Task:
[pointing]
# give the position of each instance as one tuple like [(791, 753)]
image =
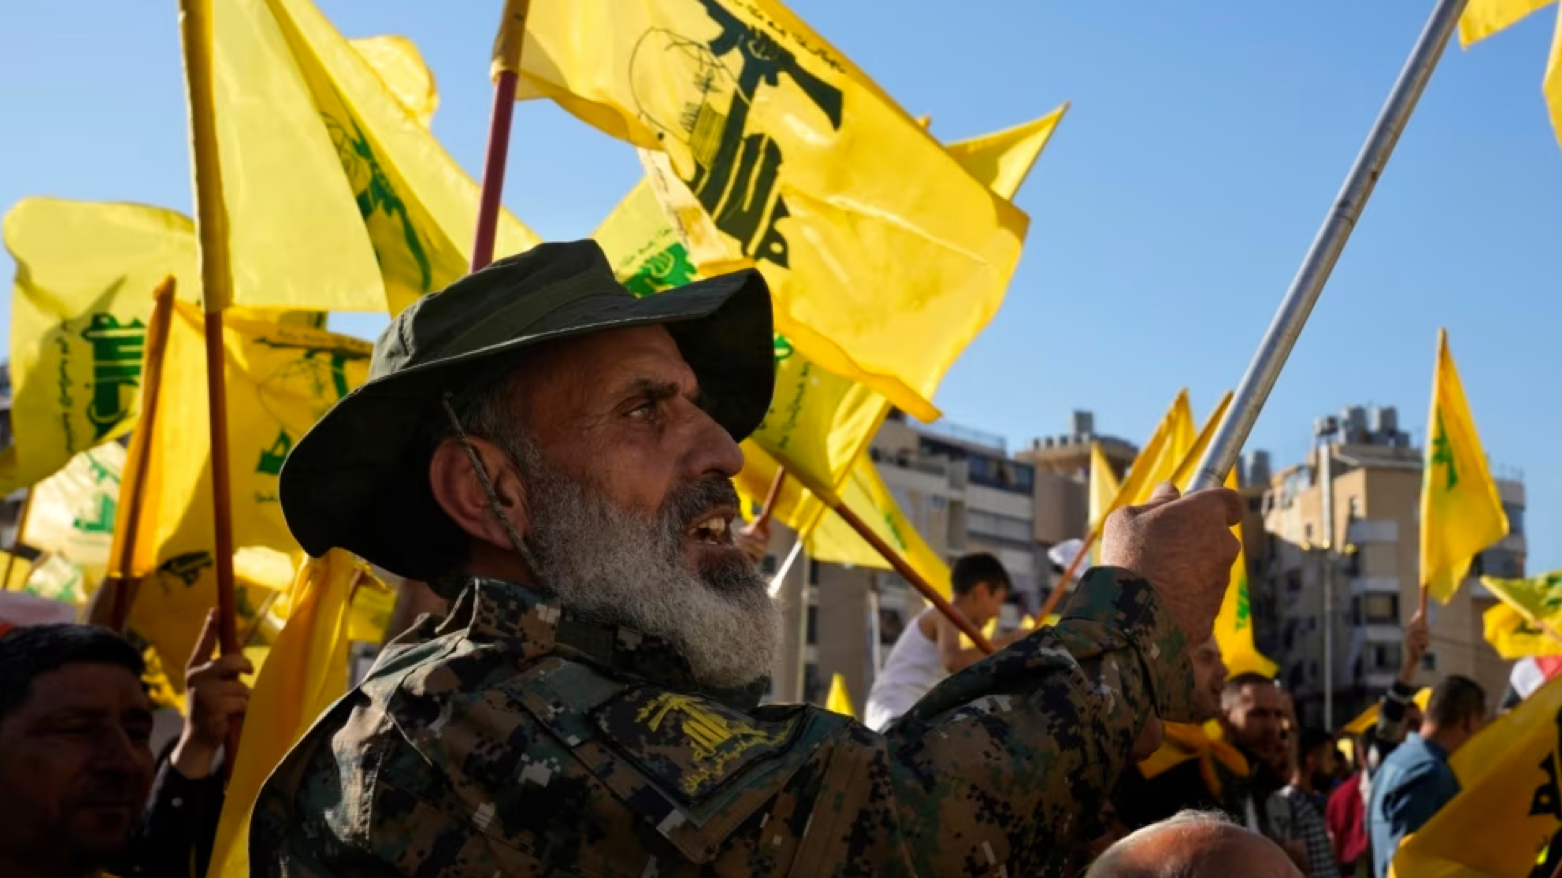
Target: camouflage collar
[(531, 621)]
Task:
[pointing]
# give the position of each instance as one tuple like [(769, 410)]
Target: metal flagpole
[(1326, 248)]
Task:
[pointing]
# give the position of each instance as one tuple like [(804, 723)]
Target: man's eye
[(643, 411)]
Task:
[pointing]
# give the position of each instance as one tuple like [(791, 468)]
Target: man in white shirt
[(930, 650)]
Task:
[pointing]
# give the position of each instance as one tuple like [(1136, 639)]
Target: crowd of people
[(553, 457)]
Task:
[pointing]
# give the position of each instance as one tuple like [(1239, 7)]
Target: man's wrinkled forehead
[(583, 376)]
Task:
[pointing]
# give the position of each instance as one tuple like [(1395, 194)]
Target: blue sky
[(1205, 143)]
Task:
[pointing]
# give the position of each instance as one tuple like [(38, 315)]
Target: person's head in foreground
[(1194, 844), (981, 585), (1455, 713), (75, 762), (569, 439), (1253, 716)]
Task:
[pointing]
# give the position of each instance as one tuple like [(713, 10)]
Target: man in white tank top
[(929, 649)]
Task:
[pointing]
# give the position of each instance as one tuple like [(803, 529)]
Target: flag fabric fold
[(1534, 624)]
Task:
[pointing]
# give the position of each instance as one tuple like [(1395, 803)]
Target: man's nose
[(712, 450)]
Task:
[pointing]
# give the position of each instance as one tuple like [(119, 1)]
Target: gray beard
[(617, 568)]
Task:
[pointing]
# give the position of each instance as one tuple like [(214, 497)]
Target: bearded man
[(555, 455)]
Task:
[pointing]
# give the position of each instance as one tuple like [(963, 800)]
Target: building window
[(813, 625), (1355, 506), (1312, 670), (1293, 582), (1385, 656), (1307, 533), (813, 572), (768, 566), (1515, 515), (1429, 661), (1381, 609)]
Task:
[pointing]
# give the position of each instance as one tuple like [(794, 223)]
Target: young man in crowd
[(1416, 781), (930, 650), (1312, 770), (1253, 719)]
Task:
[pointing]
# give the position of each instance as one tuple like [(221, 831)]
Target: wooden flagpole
[(512, 32), (16, 539), (910, 574), (121, 577), (211, 223)]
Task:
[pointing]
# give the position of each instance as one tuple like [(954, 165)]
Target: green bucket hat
[(358, 480)]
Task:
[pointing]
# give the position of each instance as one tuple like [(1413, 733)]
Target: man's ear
[(460, 493)]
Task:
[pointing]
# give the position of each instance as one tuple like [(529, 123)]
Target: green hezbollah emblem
[(1244, 608), (1443, 454), (784, 349), (664, 270), (319, 375), (116, 368)]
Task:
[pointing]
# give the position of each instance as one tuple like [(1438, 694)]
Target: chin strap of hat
[(488, 485)]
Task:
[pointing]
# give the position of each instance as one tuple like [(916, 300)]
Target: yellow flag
[(1104, 484), (1482, 18), (1509, 805), (1234, 623), (838, 701), (71, 513), (78, 322), (832, 540), (1158, 459), (327, 163), (1515, 637), (304, 674), (280, 381), (1461, 513), (18, 567), (1533, 625), (802, 163)]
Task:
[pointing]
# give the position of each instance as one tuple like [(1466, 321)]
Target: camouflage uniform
[(513, 740)]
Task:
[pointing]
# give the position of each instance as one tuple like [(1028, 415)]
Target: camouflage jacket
[(511, 739)]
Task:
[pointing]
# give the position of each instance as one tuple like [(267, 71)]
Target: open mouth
[(713, 528)]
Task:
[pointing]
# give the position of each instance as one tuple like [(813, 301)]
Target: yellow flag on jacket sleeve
[(304, 674), (280, 381), (1532, 624), (865, 494), (1509, 805), (801, 162), (838, 700), (328, 162), (1461, 512)]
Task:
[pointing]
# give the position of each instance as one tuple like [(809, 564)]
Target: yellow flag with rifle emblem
[(280, 381), (801, 162), (78, 322), (1509, 805), (326, 162), (819, 423), (1461, 512), (1533, 623)]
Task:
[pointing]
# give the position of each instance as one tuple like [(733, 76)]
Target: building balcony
[(1382, 632)]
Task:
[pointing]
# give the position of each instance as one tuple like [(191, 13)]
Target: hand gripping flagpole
[(1326, 248)]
